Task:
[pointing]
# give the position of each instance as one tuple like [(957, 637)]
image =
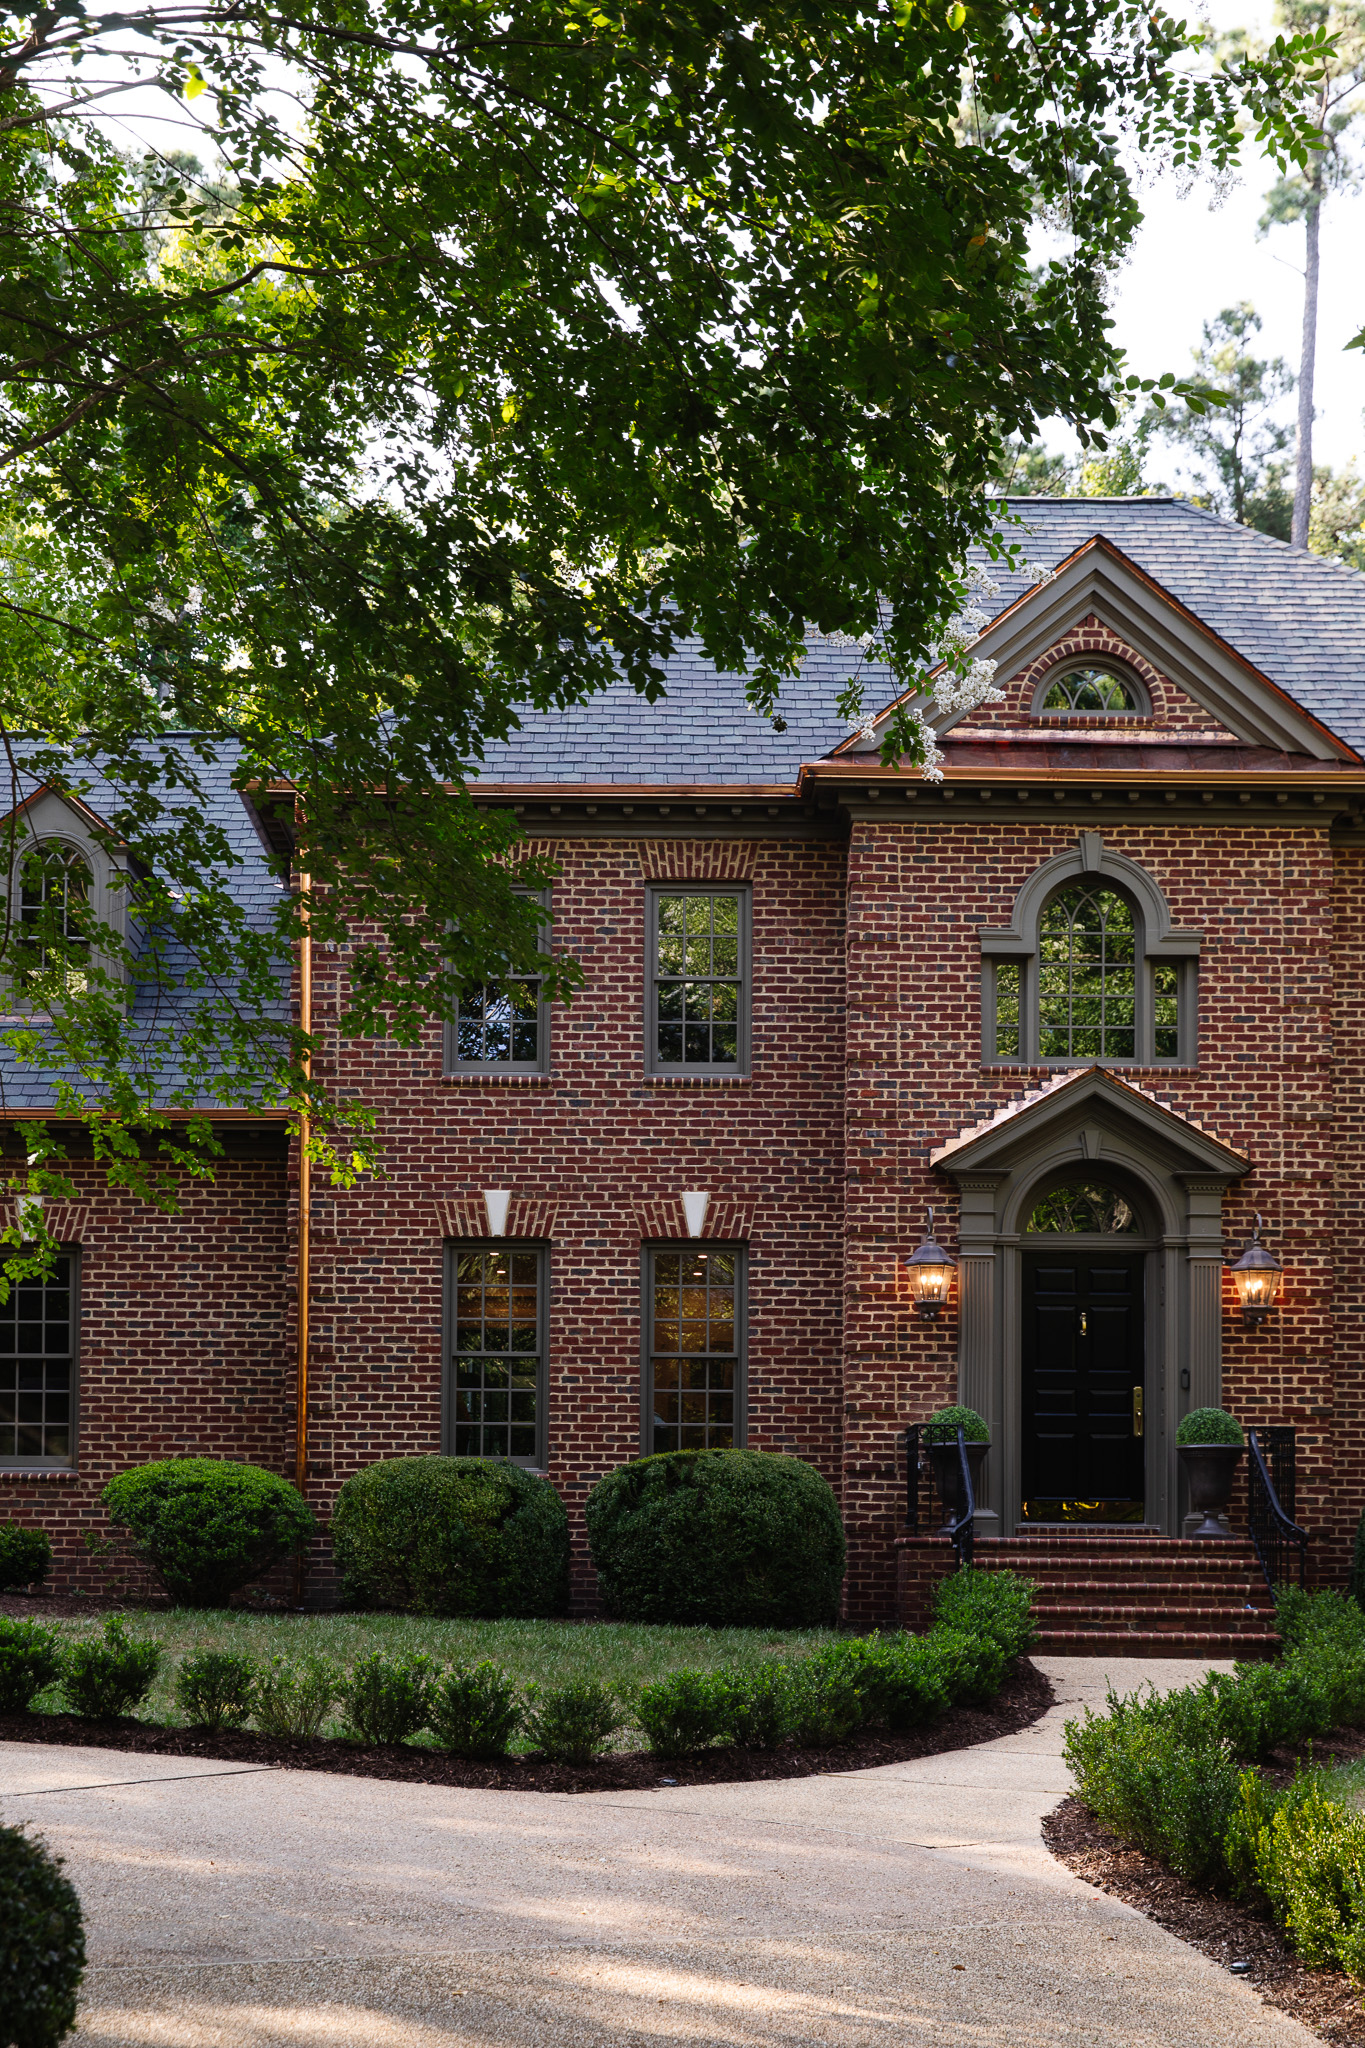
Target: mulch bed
[(67, 1606), (1025, 1696), (1322, 2000)]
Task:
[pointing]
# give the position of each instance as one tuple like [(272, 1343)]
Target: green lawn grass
[(549, 1653)]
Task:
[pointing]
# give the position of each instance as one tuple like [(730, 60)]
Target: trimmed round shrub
[(987, 1603), (105, 1677), (1209, 1426), (571, 1724), (206, 1526), (452, 1536), (945, 1422), (42, 1944), (25, 1555), (474, 1710), (385, 1698), (216, 1689), (734, 1539), (30, 1659)]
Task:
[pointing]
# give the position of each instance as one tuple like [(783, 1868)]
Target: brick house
[(1096, 998)]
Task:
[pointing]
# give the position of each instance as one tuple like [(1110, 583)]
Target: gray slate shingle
[(1298, 617)]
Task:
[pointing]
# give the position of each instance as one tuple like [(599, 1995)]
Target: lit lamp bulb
[(931, 1276), (1257, 1276)]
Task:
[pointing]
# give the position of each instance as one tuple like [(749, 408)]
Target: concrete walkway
[(237, 1908)]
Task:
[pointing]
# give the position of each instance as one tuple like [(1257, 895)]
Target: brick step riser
[(1234, 1593), (1145, 1546), (1188, 1614), (1134, 1567), (1216, 1618), (1218, 1554), (1160, 1589), (1077, 1643)]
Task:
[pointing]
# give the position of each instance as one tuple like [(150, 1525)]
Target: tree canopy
[(495, 351)]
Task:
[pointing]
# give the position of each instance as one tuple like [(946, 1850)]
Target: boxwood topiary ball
[(207, 1526), (1209, 1426), (25, 1555), (945, 1423), (452, 1536), (42, 1944), (734, 1539)]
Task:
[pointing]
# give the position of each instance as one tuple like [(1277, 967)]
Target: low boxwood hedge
[(733, 1539)]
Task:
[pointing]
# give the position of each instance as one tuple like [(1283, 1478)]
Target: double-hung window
[(501, 1026), (698, 997), (694, 1366), (38, 1369), (495, 1405)]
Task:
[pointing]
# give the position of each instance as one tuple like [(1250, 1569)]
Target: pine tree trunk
[(1303, 453)]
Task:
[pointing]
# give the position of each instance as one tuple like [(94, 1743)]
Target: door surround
[(1175, 1173)]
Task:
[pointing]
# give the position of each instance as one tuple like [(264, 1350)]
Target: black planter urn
[(1209, 1472), (947, 1471)]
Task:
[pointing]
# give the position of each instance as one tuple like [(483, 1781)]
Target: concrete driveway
[(287, 1909)]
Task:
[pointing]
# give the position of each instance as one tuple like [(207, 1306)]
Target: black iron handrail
[(963, 1529), (917, 1438), (1274, 1533), (914, 1472)]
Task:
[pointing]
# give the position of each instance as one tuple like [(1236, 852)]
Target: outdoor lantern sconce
[(1257, 1276), (931, 1275)]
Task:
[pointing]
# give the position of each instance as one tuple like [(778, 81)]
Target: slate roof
[(1298, 617), (159, 1016), (703, 731)]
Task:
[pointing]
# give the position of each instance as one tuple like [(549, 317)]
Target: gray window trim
[(1159, 943), (744, 891), (541, 1064), (453, 1247), (67, 1464), (692, 1244)]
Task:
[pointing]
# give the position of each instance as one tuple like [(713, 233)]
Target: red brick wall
[(184, 1349), (917, 894), (188, 1321), (1347, 1139), (596, 1155)]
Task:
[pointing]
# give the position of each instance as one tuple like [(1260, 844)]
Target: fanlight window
[(1087, 976), (1090, 689), (54, 904), (1083, 1206)]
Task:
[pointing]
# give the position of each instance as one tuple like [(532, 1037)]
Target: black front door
[(1083, 1368)]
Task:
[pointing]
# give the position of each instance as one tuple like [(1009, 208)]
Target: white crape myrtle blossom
[(954, 683)]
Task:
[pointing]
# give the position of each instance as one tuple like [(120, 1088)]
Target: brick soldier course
[(1226, 801)]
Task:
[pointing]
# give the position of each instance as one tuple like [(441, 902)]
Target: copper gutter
[(304, 1285)]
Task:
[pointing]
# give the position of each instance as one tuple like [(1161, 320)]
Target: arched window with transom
[(54, 909), (1090, 972)]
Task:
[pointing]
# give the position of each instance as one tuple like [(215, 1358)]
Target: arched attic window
[(1090, 691), (1091, 971), (55, 891)]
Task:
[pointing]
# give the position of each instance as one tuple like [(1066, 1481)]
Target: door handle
[(1137, 1411), (1083, 1324)]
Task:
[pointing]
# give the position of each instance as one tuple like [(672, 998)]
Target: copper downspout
[(305, 1223)]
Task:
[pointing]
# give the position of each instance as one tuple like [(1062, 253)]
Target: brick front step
[(1151, 1615), (1078, 1642), (1107, 1594)]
